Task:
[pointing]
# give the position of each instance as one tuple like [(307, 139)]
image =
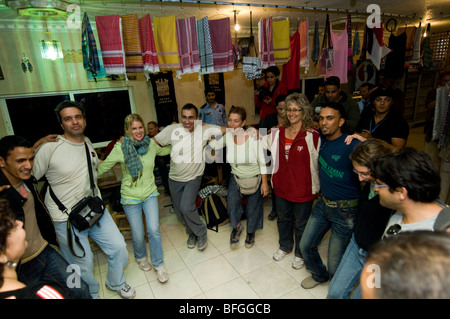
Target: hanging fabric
[(395, 61), (304, 45), (266, 52), (165, 32), (410, 37), (316, 48), (188, 46), (326, 53), (148, 48), (350, 48), (363, 55), (416, 47), (356, 45), (291, 70), (376, 49), (340, 54), (132, 44), (205, 47), (222, 47), (91, 62), (109, 31), (281, 41)]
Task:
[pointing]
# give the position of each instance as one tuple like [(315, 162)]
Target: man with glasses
[(338, 204), (408, 182), (187, 164)]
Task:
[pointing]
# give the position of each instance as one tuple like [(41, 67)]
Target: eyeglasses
[(294, 111), (362, 174), (374, 184), (393, 230)]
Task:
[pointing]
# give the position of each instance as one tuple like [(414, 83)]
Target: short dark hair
[(367, 84), (382, 91), (273, 69), (190, 106), (412, 265), (333, 80), (152, 123), (10, 142), (336, 106), (68, 103), (280, 98), (411, 169)]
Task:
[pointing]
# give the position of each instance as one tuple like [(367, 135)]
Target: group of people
[(362, 186)]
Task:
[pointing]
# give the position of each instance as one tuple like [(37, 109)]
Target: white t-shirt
[(397, 218), (64, 164), (187, 160), (246, 159)]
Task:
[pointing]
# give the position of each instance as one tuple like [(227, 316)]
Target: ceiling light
[(236, 24)]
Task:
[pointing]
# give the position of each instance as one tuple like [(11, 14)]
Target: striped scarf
[(131, 150), (89, 47)]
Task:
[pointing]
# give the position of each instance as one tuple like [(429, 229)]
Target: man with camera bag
[(70, 168)]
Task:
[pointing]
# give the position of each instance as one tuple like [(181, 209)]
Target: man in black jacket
[(40, 262)]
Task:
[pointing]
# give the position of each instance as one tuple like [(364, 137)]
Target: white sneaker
[(144, 264), (127, 292), (298, 263), (163, 276), (279, 254)]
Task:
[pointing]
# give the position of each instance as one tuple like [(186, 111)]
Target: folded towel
[(222, 47), (91, 61), (281, 45), (109, 31), (132, 43), (148, 48), (266, 52), (188, 46), (166, 42), (205, 47)]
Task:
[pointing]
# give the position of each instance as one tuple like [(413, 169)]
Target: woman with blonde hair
[(295, 175), (136, 155)]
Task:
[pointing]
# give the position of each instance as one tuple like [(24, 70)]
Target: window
[(32, 116)]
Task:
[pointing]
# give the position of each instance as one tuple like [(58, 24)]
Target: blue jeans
[(348, 273), (49, 265), (254, 207), (341, 222), (109, 239), (292, 218), (134, 216)]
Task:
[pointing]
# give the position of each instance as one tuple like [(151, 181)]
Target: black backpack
[(214, 209)]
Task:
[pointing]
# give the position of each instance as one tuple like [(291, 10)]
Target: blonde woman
[(295, 151), (136, 155)]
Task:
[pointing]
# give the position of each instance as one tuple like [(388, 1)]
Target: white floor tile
[(213, 273), (181, 285)]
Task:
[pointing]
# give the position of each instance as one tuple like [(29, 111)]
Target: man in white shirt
[(64, 164), (187, 164)]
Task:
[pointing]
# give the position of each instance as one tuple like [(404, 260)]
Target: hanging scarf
[(131, 150), (316, 47), (89, 48)]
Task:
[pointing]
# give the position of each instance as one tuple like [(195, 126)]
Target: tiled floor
[(219, 272)]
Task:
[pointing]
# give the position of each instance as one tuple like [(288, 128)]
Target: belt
[(350, 203)]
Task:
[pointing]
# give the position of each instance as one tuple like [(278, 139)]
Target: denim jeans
[(134, 216), (348, 273), (51, 266), (109, 239), (184, 196), (254, 207), (291, 222), (341, 222)]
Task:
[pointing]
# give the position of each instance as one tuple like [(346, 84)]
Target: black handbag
[(84, 214)]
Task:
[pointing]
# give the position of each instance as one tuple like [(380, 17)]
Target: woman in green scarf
[(136, 155)]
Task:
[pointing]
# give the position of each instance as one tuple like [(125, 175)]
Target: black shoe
[(272, 215)]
